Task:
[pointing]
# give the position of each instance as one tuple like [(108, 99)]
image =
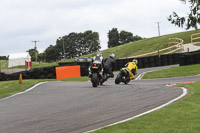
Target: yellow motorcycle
[(122, 76)]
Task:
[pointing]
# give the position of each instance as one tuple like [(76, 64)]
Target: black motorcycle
[(95, 74), (123, 76), (104, 77)]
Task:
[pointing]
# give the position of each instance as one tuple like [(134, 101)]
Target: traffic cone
[(20, 79)]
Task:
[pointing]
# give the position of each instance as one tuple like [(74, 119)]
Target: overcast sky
[(24, 21)]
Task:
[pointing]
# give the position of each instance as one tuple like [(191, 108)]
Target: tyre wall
[(144, 62), (189, 58)]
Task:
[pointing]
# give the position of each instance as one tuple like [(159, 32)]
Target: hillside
[(3, 64), (130, 49), (146, 45)]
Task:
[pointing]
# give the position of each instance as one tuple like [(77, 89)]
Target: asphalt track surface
[(75, 107)]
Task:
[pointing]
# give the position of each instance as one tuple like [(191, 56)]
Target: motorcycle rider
[(98, 59), (109, 65), (131, 67)]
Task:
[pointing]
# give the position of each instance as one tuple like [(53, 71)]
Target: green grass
[(8, 88), (180, 117), (198, 44), (189, 70), (37, 65), (146, 45), (3, 64), (133, 48)]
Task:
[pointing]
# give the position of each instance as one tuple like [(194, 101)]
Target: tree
[(41, 57), (3, 58), (136, 38), (52, 53), (78, 44), (91, 42), (191, 20), (32, 54), (113, 38), (125, 37)]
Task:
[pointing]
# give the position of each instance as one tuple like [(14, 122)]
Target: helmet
[(99, 53), (112, 55), (134, 60)]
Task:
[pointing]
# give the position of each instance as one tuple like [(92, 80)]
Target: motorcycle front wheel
[(127, 80), (118, 79)]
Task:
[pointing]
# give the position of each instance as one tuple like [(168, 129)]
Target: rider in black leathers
[(109, 65)]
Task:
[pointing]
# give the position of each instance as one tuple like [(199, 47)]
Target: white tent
[(18, 59)]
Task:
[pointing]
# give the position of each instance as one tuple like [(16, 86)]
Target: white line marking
[(22, 91), (157, 108), (138, 77)]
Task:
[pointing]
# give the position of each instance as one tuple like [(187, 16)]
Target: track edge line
[(147, 112)]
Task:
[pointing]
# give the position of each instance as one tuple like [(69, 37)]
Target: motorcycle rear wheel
[(94, 79)]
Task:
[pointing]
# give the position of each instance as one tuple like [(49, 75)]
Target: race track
[(77, 107)]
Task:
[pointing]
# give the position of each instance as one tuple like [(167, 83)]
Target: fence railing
[(194, 37), (174, 44)]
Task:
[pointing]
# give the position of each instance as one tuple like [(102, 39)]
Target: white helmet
[(112, 56), (134, 60), (99, 53)]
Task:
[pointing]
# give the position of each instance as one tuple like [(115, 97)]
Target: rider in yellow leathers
[(131, 67)]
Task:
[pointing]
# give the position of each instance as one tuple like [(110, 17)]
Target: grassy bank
[(147, 45), (8, 88), (3, 64), (189, 70), (133, 48), (180, 117)]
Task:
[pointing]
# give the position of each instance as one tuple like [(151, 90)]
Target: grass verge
[(3, 64), (180, 117), (189, 70), (8, 88), (197, 44)]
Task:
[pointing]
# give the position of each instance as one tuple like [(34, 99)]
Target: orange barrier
[(68, 72)]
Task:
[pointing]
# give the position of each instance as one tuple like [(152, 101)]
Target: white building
[(18, 59)]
